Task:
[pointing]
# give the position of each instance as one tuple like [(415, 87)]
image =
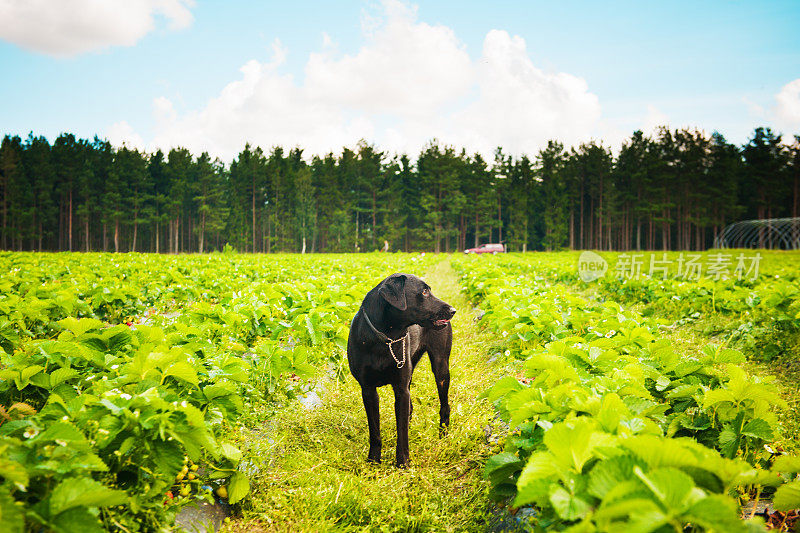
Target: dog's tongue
[(442, 321)]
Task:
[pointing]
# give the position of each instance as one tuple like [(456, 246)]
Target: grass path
[(315, 476)]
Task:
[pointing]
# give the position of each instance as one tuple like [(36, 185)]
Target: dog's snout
[(452, 311)]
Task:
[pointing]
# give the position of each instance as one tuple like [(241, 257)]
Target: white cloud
[(122, 133), (409, 82), (70, 27), (405, 67), (519, 106), (163, 111), (754, 109), (653, 119), (787, 105)]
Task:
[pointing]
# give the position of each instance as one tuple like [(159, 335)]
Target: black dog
[(399, 320)]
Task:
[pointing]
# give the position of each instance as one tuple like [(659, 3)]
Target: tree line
[(673, 190)]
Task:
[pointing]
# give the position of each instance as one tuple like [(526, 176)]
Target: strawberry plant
[(124, 378), (609, 427)]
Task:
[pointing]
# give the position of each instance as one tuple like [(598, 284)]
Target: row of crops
[(610, 427), (124, 379), (760, 316), (747, 299)]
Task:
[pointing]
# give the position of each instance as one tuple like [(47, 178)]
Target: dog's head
[(411, 297)]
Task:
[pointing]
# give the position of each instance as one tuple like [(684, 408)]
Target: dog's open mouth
[(441, 322)]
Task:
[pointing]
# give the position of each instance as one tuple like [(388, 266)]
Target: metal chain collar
[(405, 339), (400, 364)]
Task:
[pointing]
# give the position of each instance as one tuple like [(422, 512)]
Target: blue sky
[(479, 74)]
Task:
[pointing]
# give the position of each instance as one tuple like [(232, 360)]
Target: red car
[(486, 249)]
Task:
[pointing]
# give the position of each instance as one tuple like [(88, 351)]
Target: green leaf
[(584, 526), (503, 491), (787, 497), (149, 334), (86, 492), (755, 476), (787, 463), (87, 461), (29, 371), (25, 375), (231, 452), (13, 472), (11, 514), (167, 456), (729, 355), (639, 405), (609, 473), (568, 506), (660, 452), (312, 330), (61, 375), (126, 445), (683, 391), (77, 520), (117, 338), (715, 513), (722, 355), (643, 515), (182, 370), (502, 465), (40, 379), (706, 479), (611, 411), (729, 442), (571, 443), (504, 386), (219, 389), (670, 486), (535, 478), (714, 397), (758, 428), (79, 326), (238, 487), (63, 431), (687, 367), (194, 415)]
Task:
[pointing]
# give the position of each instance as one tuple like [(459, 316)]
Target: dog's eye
[(426, 292)]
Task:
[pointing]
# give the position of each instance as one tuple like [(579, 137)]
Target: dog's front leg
[(371, 406), (402, 408), (441, 372)]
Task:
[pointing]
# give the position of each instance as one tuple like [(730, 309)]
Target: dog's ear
[(393, 291)]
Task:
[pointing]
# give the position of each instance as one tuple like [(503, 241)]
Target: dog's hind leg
[(371, 406), (402, 407), (440, 363)]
